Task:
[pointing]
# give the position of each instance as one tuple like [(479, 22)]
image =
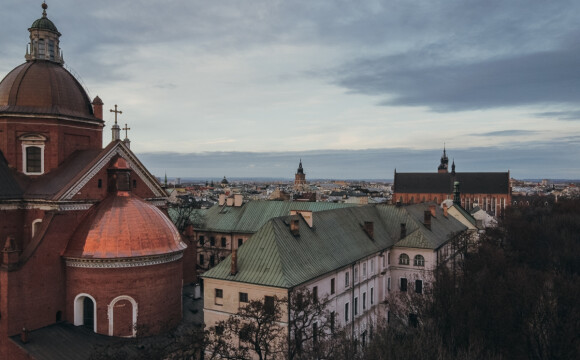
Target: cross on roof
[(116, 112), (126, 129)]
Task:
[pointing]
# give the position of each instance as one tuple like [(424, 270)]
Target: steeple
[(453, 167), (443, 167), (44, 40), (300, 169)]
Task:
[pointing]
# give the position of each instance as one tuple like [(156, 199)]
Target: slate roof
[(470, 182), (275, 257), (248, 218)]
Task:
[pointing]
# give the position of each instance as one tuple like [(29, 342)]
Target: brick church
[(84, 236), (490, 191)]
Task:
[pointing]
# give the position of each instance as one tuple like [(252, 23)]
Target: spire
[(453, 167), (300, 169), (443, 167), (126, 140)]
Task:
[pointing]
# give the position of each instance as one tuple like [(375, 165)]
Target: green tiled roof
[(273, 256), (251, 216)]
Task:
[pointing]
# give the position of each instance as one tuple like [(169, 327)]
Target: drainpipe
[(352, 303)]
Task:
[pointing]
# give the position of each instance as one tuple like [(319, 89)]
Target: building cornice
[(116, 263)]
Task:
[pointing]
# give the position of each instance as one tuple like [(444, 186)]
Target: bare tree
[(255, 331)]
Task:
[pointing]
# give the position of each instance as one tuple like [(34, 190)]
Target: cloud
[(560, 115), (506, 133), (545, 77)]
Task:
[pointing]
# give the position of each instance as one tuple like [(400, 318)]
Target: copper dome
[(44, 88), (124, 226)]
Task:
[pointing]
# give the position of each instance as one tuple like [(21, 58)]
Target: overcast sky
[(497, 81)]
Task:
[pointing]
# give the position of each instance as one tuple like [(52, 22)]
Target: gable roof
[(470, 182), (67, 180), (273, 256), (251, 216)]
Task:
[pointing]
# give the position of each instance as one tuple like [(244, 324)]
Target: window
[(346, 279), (403, 284), (224, 242), (389, 258), (332, 286), (240, 242), (41, 50), (134, 184), (51, 49), (419, 260), (212, 260), (388, 316), (243, 297), (404, 259), (219, 293), (384, 261), (201, 259), (346, 312), (212, 241), (36, 226), (33, 159), (364, 270), (364, 301), (315, 333), (389, 283), (201, 240), (413, 320), (355, 306), (315, 294), (269, 305), (355, 275), (372, 267), (100, 183), (372, 296), (419, 286), (332, 316)]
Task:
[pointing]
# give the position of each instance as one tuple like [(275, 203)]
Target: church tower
[(444, 166), (300, 177)]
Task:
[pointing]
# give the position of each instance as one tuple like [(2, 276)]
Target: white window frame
[(32, 140)]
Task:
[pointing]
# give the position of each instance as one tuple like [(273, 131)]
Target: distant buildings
[(490, 191)]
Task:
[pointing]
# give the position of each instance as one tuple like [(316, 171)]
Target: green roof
[(251, 216), (44, 24), (273, 256)]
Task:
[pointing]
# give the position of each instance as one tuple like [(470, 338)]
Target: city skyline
[(497, 82)]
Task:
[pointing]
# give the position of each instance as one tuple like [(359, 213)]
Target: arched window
[(404, 259), (121, 309), (419, 260)]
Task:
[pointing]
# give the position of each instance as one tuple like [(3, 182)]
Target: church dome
[(44, 24), (124, 226), (44, 88)]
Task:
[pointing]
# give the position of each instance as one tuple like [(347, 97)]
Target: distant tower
[(453, 167), (444, 162), (300, 177)]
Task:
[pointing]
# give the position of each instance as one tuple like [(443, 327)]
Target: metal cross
[(116, 112), (126, 128)]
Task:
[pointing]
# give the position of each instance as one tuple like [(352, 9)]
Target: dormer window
[(33, 154)]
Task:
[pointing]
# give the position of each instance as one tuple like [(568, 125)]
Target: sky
[(356, 89)]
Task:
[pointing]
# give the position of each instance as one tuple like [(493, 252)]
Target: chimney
[(427, 219), (230, 201), (295, 227), (403, 230), (445, 210), (238, 200), (369, 229), (98, 107), (306, 215), (222, 199), (432, 209), (234, 267)]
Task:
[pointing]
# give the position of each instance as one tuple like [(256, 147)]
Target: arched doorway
[(85, 310), (88, 313)]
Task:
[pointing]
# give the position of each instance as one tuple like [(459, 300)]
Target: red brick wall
[(157, 289)]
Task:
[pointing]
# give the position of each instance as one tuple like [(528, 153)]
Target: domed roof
[(124, 226), (44, 88), (44, 23)]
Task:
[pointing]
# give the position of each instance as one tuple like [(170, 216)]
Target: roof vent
[(295, 227), (403, 230), (427, 219)]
